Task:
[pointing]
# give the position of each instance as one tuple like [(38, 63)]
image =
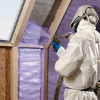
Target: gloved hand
[(56, 46)]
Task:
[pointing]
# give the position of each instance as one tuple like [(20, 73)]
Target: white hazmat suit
[(80, 63)]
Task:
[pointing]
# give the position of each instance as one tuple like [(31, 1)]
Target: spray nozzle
[(55, 38)]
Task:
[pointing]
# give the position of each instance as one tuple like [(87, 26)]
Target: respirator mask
[(93, 17)]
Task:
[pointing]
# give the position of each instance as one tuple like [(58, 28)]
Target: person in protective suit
[(79, 64)]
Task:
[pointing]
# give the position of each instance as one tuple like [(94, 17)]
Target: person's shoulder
[(78, 38), (98, 34)]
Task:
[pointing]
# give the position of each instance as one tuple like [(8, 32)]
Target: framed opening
[(9, 15), (13, 18)]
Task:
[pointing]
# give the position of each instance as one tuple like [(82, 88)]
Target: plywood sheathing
[(8, 73), (5, 73)]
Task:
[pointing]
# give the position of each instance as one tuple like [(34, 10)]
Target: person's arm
[(58, 48), (68, 63), (61, 52)]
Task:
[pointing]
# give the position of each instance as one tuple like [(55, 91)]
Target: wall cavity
[(30, 74)]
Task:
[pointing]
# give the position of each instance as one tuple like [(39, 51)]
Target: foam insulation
[(64, 28), (34, 34), (31, 74)]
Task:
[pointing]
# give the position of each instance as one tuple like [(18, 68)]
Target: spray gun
[(55, 38)]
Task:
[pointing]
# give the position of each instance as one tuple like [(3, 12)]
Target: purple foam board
[(64, 28), (30, 74)]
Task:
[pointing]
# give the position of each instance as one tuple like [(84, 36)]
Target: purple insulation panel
[(64, 28), (31, 74)]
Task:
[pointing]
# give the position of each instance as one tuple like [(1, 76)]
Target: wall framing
[(14, 73), (22, 22), (53, 28), (12, 62), (26, 11), (9, 57)]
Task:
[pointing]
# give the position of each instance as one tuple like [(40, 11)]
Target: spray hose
[(91, 28), (64, 36)]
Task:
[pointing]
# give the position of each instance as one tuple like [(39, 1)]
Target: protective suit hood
[(82, 13)]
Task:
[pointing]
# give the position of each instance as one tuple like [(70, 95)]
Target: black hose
[(58, 87)]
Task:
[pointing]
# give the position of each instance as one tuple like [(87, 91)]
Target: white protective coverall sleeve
[(61, 52), (69, 59)]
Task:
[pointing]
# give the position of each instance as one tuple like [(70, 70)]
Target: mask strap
[(93, 36), (91, 29)]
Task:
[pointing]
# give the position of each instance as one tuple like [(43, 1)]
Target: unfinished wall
[(31, 63), (64, 28), (43, 17)]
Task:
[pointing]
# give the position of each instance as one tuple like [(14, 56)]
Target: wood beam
[(22, 22), (53, 28), (14, 73), (58, 18), (45, 73), (6, 44)]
